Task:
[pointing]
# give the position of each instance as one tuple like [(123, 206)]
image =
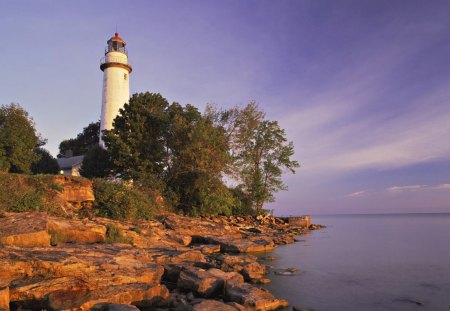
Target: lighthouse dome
[(116, 38), (116, 44)]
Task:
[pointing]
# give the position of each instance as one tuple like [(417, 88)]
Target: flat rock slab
[(76, 231), (139, 294), (96, 265), (252, 297), (24, 230), (209, 305), (240, 245)]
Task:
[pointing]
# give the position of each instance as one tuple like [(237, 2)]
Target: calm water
[(369, 262)]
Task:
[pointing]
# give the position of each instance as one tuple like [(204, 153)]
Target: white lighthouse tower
[(116, 82)]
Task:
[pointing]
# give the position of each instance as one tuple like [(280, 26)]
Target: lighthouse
[(116, 81)]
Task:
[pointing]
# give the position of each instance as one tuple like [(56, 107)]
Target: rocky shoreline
[(170, 262)]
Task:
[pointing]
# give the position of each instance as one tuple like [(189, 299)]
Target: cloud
[(413, 188), (407, 188), (357, 194), (442, 187), (343, 129)]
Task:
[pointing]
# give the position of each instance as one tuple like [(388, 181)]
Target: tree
[(137, 142), (80, 145), (96, 163), (259, 150), (172, 147), (18, 139), (46, 164)]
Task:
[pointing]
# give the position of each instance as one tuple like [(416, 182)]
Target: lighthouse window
[(125, 76)]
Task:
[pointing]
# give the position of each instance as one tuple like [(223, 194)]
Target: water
[(369, 262)]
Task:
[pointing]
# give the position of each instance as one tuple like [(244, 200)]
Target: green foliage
[(82, 143), (46, 164), (18, 139), (114, 235), (169, 147), (96, 163), (118, 200), (260, 152), (21, 193), (30, 201)]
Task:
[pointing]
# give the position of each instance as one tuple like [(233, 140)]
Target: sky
[(361, 87)]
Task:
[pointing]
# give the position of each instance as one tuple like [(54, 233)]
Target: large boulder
[(24, 230), (75, 190), (200, 282), (252, 297), (75, 231)]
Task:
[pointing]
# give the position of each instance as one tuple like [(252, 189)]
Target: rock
[(139, 294), (226, 276), (316, 227), (4, 298), (200, 282), (24, 230), (209, 305), (178, 256), (180, 238), (264, 281), (75, 231), (94, 265), (196, 227), (210, 249), (237, 306), (240, 245), (75, 190), (252, 297), (253, 271), (113, 307), (37, 289), (286, 272)]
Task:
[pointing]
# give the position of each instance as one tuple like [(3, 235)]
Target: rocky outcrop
[(75, 231), (140, 295), (171, 262), (24, 230), (75, 191)]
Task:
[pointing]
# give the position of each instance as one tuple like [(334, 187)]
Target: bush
[(114, 235), (118, 200), (31, 201), (23, 193)]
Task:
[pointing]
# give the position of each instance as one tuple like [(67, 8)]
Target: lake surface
[(368, 262)]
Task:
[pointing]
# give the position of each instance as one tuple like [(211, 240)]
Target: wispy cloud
[(357, 194), (413, 188), (343, 129), (407, 188)]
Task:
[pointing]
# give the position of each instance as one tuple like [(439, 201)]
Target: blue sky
[(361, 87)]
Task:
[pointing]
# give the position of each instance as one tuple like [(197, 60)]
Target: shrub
[(117, 200), (114, 235), (31, 201)]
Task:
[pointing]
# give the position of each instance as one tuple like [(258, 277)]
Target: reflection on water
[(369, 262)]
